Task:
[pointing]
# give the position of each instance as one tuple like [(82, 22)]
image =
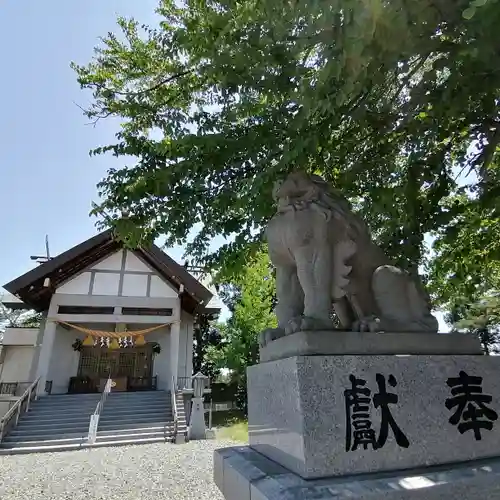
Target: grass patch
[(231, 425), (235, 432)]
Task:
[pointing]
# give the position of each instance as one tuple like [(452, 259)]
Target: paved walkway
[(155, 471)]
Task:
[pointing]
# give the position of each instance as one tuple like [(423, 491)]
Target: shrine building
[(107, 311), (112, 360)]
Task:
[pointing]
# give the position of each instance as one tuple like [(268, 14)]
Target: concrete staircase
[(56, 423)]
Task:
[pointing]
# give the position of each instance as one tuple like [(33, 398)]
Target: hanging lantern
[(139, 340), (114, 344), (89, 341)]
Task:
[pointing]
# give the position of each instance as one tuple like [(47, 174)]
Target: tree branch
[(98, 117), (144, 91), (409, 76), (486, 156)]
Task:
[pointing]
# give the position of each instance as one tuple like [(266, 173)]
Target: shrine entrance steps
[(57, 423)]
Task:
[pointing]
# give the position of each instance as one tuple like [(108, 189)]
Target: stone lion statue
[(326, 261)]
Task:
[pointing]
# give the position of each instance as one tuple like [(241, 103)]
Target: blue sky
[(48, 180)]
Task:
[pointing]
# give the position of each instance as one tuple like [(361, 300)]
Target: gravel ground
[(154, 471)]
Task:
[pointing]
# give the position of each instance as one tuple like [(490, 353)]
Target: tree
[(31, 319), (466, 261), (249, 297), (18, 318), (464, 272), (206, 336), (8, 317), (480, 318), (224, 97)]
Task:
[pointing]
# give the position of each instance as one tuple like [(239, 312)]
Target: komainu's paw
[(294, 325), (368, 324), (269, 335), (316, 324), (304, 323)]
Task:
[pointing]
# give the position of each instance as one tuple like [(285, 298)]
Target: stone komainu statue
[(324, 256)]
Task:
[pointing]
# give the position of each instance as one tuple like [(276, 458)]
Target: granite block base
[(323, 416), (244, 474), (336, 342)]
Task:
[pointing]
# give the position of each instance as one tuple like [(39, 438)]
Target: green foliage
[(464, 273), (386, 100), (18, 318), (224, 97), (249, 297), (9, 317), (30, 320), (232, 425), (481, 318), (206, 335), (466, 263), (237, 431)]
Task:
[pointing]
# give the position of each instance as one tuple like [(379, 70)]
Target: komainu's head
[(300, 187)]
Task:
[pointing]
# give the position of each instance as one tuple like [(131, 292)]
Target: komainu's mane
[(332, 200)]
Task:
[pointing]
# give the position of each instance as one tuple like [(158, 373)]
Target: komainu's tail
[(390, 289), (400, 301), (342, 252)]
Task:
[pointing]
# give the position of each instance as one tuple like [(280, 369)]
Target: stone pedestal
[(335, 415), (333, 419), (243, 474), (197, 428), (326, 343)]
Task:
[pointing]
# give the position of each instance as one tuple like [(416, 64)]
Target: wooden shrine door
[(133, 363)]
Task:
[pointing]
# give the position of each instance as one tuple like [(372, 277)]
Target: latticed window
[(107, 364), (99, 362), (88, 363), (126, 364)]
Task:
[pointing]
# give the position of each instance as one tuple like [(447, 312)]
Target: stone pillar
[(38, 346), (197, 428), (189, 350), (174, 351), (181, 363), (49, 335)]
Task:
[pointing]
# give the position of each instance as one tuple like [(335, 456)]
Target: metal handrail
[(174, 405), (17, 408), (94, 418)]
